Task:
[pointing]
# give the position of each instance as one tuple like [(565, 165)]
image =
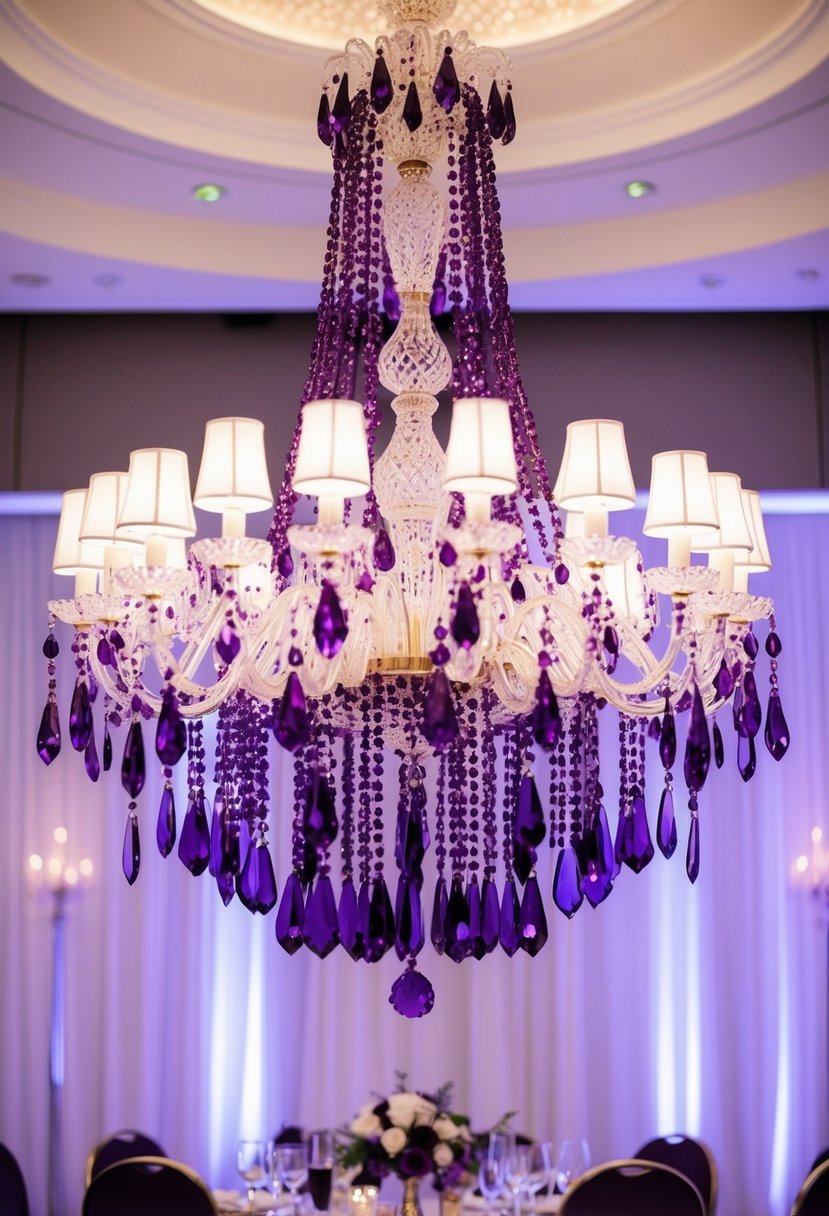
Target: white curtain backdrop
[(670, 1008)]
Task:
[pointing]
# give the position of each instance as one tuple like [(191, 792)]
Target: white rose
[(410, 1110), (393, 1140), (366, 1124), (463, 1133), (442, 1155), (445, 1129)]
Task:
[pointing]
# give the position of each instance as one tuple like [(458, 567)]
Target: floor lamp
[(59, 879)]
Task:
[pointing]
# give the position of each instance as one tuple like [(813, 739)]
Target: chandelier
[(436, 610)]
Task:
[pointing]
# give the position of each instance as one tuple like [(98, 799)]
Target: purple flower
[(414, 1162), (424, 1137)]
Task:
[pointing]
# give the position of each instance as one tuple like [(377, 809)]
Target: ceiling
[(111, 111)]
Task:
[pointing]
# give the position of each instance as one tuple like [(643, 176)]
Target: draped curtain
[(670, 1008)]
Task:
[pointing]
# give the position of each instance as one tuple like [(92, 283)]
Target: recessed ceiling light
[(639, 189), (809, 275), (711, 280), (107, 280), (208, 192), (29, 280)]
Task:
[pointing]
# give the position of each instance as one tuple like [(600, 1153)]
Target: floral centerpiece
[(411, 1135)]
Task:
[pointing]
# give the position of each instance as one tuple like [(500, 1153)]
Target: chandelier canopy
[(409, 617)]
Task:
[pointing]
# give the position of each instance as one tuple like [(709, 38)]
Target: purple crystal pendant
[(567, 892), (697, 747), (320, 930), (330, 628), (48, 735), (131, 852), (194, 842), (228, 643), (171, 732), (692, 854), (529, 830), (291, 916), (80, 716), (776, 734), (666, 836), (466, 627), (533, 920), (545, 718), (412, 995), (437, 928), (509, 932), (348, 920), (133, 769), (90, 759), (383, 553), (292, 727), (440, 723), (381, 89), (165, 831)]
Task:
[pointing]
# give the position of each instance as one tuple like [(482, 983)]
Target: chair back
[(143, 1185), (118, 1147), (633, 1188), (813, 1199), (13, 1198), (691, 1157)]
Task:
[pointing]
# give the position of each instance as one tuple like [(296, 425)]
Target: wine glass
[(250, 1162), (292, 1167), (573, 1160), (321, 1158), (516, 1169), (540, 1167), (491, 1164), (275, 1185)]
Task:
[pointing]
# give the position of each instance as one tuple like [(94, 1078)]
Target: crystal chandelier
[(413, 622)]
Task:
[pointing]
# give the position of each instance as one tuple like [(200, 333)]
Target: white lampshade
[(157, 501), (71, 556), (480, 456), (759, 559), (681, 499), (333, 454), (104, 500), (733, 532), (595, 470), (234, 472)]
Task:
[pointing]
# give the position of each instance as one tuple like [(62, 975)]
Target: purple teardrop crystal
[(528, 829), (291, 915), (348, 921), (654, 728), (437, 931), (473, 901), (330, 628), (51, 649), (490, 915), (774, 646), (456, 924), (381, 90), (446, 88), (746, 756), (341, 109), (216, 835), (284, 563), (641, 852), (226, 887), (319, 820), (131, 852), (412, 113), (597, 860), (567, 893), (510, 126), (667, 740), (440, 723), (266, 890), (533, 920), (320, 931), (90, 759), (228, 643), (697, 746), (523, 860), (107, 750), (517, 591), (447, 554), (383, 553), (752, 710), (104, 652), (561, 574), (466, 627), (412, 995), (194, 842), (48, 734), (133, 770), (724, 681), (80, 716), (380, 935), (496, 119), (719, 750), (692, 854), (545, 719), (751, 645), (509, 927), (776, 734), (324, 130), (165, 829), (171, 732), (247, 880), (666, 835), (410, 934), (292, 728)]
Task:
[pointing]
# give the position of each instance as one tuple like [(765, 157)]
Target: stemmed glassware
[(516, 1171), (292, 1167), (540, 1173), (491, 1167), (251, 1165), (573, 1160), (321, 1160)]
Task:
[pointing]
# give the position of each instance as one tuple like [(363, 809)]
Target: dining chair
[(148, 1186), (633, 1188), (819, 1159), (813, 1197), (118, 1147), (13, 1198), (691, 1157)]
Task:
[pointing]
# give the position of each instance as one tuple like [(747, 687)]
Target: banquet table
[(231, 1203)]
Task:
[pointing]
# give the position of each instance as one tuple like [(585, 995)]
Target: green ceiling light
[(639, 189), (208, 192)]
